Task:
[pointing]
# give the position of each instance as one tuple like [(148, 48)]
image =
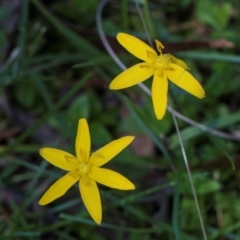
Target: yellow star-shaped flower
[(87, 170), (162, 67)]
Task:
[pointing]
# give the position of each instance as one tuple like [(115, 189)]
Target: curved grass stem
[(190, 177), (181, 146)]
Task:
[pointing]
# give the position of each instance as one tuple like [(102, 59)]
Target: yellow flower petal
[(133, 75), (177, 61), (185, 80), (110, 178), (59, 188), (59, 158), (83, 141), (136, 47), (109, 151), (159, 94), (91, 198)]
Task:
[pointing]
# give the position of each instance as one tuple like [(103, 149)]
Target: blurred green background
[(55, 70)]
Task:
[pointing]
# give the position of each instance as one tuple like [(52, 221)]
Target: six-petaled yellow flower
[(162, 67), (86, 169)]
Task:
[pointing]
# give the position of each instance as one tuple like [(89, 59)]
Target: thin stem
[(182, 149), (143, 23), (190, 177), (110, 51)]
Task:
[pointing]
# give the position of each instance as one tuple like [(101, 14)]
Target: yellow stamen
[(159, 46)]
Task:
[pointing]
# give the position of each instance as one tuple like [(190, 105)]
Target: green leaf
[(215, 14), (207, 186), (96, 107), (80, 108), (93, 62), (76, 40), (209, 56), (202, 182), (26, 93), (99, 134)]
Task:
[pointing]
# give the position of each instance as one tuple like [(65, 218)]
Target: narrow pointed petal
[(132, 76), (91, 198), (59, 158), (111, 179), (83, 141), (185, 80), (159, 94), (136, 47), (177, 61), (109, 151), (59, 188)]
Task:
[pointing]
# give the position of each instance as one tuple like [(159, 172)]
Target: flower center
[(83, 169), (161, 62)]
